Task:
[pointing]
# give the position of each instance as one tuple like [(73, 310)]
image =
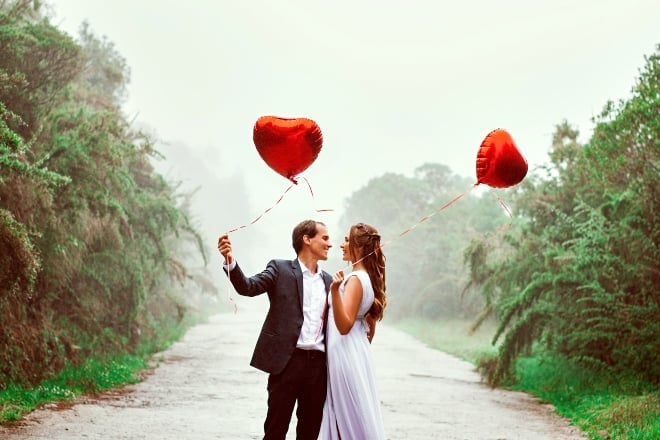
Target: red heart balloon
[(287, 145), (499, 162)]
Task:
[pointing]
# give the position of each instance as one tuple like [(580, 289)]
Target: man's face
[(320, 243)]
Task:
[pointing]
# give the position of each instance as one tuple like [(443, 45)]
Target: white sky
[(392, 84)]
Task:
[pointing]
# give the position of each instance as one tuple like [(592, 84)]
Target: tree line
[(92, 240), (576, 272)]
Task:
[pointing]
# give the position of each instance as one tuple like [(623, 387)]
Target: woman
[(352, 408)]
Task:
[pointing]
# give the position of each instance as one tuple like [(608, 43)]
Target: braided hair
[(364, 245)]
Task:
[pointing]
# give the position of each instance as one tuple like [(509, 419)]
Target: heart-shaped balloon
[(499, 162), (287, 145)]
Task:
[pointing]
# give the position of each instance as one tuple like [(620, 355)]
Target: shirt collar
[(304, 269)]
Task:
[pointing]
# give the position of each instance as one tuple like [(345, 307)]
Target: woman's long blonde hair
[(364, 245)]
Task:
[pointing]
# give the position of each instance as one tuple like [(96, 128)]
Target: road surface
[(202, 387)]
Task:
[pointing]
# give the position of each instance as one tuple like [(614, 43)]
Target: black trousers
[(303, 380)]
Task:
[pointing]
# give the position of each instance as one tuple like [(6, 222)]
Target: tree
[(579, 276), (87, 228), (425, 275)]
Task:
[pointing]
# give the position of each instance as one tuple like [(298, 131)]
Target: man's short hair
[(305, 227)]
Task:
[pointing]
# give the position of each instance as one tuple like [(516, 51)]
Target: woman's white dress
[(352, 406)]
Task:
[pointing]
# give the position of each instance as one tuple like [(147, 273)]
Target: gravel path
[(204, 388)]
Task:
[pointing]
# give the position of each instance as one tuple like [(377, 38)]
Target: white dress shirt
[(314, 301)]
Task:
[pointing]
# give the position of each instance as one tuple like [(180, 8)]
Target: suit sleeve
[(256, 284)]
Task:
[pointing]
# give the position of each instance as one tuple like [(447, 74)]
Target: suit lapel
[(297, 273), (327, 279)]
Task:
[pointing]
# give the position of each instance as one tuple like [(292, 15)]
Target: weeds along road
[(203, 388)]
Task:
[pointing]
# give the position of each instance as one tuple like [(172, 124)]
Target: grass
[(92, 377), (452, 336), (604, 406)]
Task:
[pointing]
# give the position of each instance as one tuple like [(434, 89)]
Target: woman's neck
[(359, 266)]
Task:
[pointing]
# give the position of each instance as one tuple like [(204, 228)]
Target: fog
[(392, 85)]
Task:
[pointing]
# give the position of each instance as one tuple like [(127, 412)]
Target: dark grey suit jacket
[(282, 281)]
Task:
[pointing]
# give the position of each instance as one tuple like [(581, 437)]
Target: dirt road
[(204, 388)]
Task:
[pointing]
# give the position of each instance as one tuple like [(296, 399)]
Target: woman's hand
[(337, 279), (345, 307)]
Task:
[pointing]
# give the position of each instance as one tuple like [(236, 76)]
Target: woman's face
[(345, 248)]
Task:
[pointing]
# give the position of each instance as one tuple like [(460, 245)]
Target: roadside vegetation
[(92, 377), (100, 263), (95, 374), (603, 406), (566, 289)]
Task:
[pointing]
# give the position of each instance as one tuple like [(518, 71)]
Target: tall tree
[(87, 228)]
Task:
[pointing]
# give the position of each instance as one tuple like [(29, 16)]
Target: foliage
[(92, 376), (37, 62), (88, 230), (96, 374), (453, 336), (423, 241), (578, 275), (604, 406)]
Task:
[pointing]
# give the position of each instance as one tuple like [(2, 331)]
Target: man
[(291, 345)]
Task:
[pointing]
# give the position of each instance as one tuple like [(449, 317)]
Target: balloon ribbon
[(442, 208), (277, 203), (231, 299)]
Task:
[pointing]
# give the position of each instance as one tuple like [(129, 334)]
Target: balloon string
[(263, 213), (231, 299), (276, 203), (508, 213), (419, 222), (427, 217), (504, 206), (229, 295), (312, 194)]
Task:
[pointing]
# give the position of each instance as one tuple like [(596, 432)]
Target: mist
[(393, 85)]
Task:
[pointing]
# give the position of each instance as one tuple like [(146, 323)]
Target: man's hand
[(224, 246)]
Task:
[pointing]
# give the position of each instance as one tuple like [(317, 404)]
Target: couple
[(315, 340)]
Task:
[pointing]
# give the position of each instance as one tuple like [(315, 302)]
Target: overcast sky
[(392, 84)]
